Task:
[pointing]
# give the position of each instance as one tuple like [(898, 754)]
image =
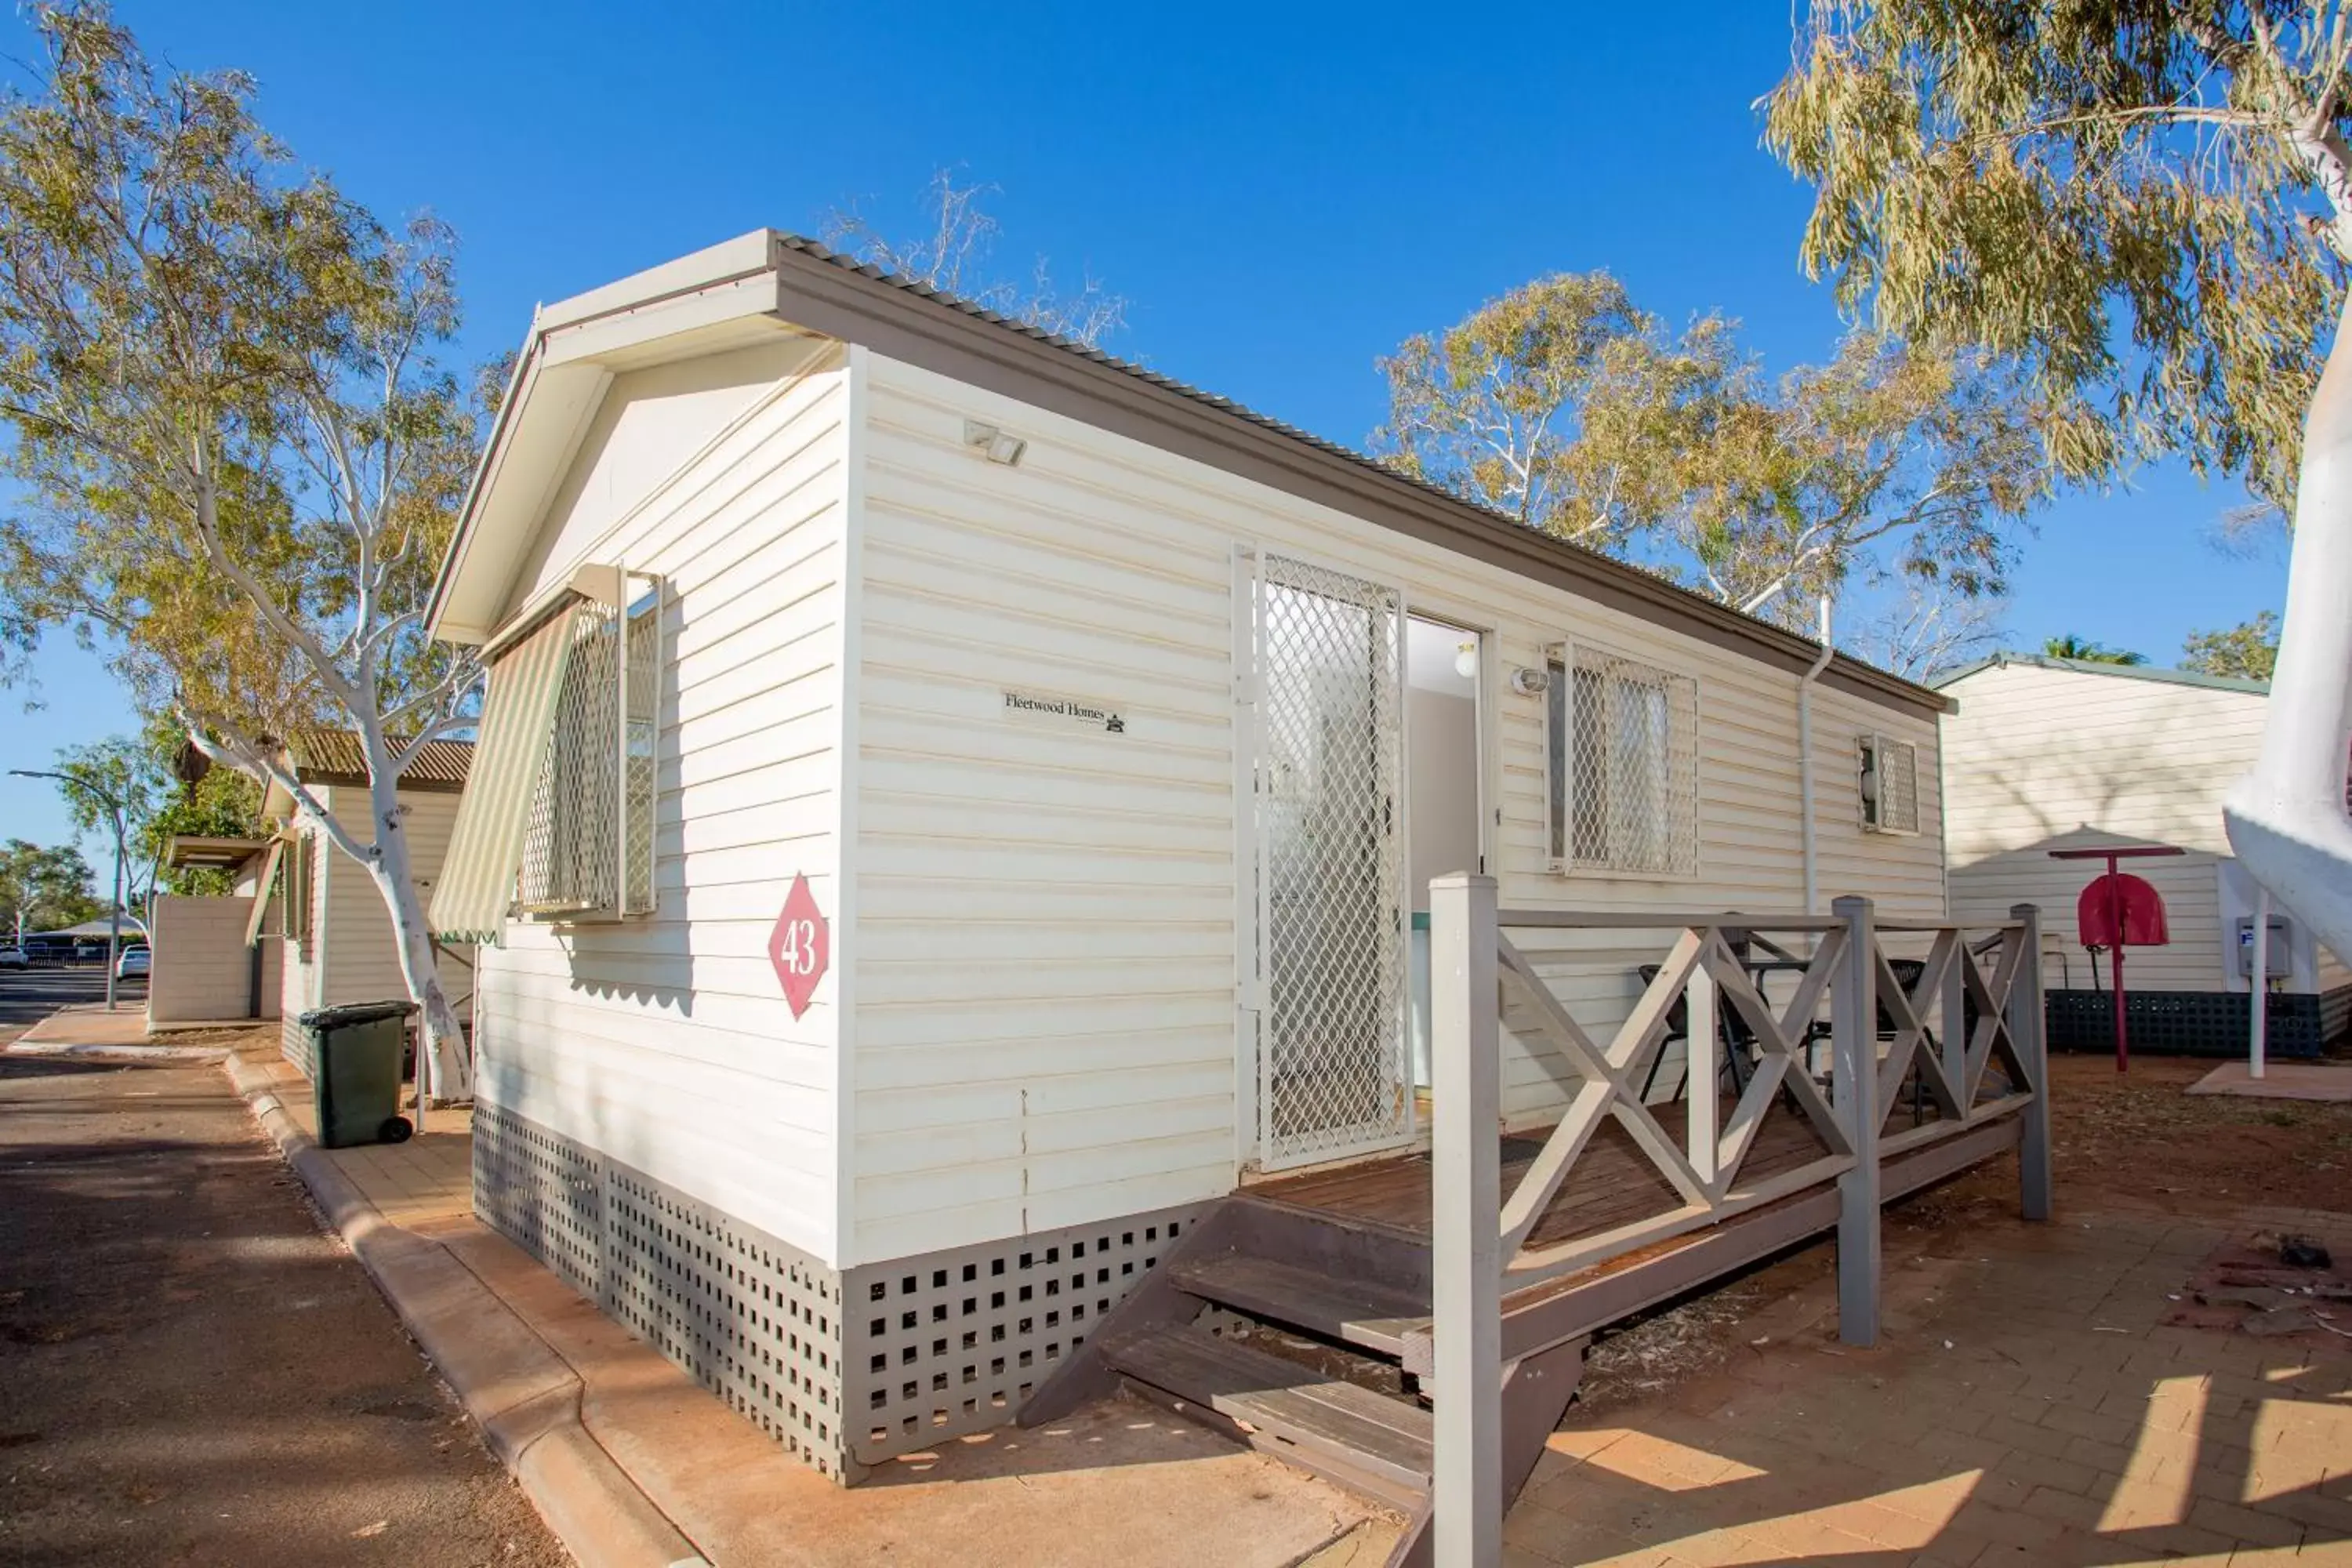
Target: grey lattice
[(1623, 745), (752, 1319), (1891, 767), (1333, 1076), (570, 864), (953, 1342)]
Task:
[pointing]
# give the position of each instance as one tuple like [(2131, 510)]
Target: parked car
[(133, 964), (12, 957)]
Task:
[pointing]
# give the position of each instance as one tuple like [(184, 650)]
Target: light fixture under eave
[(1530, 682), (1465, 658), (993, 443)]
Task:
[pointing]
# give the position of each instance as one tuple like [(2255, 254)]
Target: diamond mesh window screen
[(1890, 784), (1621, 742), (1333, 1076), (588, 842)]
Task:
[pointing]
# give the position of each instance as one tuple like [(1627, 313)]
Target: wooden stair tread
[(1357, 1311), (1293, 1404)]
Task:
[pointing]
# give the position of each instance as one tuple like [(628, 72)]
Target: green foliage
[(45, 890), (144, 775), (2083, 651), (237, 464), (2247, 651), (1565, 405), (2122, 198)]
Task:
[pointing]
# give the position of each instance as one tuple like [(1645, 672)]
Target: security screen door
[(1333, 1074)]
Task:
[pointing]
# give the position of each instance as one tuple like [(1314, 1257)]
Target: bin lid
[(349, 1013)]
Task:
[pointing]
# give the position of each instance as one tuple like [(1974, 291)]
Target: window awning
[(477, 877), (262, 891)]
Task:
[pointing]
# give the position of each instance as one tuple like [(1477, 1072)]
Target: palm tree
[(2082, 650)]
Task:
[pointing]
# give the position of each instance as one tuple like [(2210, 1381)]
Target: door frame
[(1250, 914)]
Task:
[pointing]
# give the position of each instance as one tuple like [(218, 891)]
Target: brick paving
[(2027, 1404)]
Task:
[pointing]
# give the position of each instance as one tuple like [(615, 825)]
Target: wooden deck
[(1612, 1183)]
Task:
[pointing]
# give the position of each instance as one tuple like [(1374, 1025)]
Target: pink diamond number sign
[(799, 947)]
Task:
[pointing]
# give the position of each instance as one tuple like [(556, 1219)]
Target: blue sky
[(1281, 198)]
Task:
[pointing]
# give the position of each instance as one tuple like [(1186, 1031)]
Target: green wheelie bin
[(359, 1047)]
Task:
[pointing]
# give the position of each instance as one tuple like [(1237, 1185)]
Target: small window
[(1890, 784), (1621, 750), (297, 874), (587, 850)]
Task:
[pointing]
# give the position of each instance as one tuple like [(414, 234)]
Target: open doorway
[(1443, 824)]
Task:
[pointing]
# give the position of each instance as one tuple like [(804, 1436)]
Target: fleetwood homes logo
[(1082, 713)]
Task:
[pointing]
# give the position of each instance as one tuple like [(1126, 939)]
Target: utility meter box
[(2279, 960)]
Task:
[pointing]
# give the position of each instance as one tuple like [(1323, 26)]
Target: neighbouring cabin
[(212, 956), (950, 809), (2049, 754), (328, 914)]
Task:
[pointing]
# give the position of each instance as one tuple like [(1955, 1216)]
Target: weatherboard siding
[(359, 956), (1044, 952), (2039, 759), (667, 1042)]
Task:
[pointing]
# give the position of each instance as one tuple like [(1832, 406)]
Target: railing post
[(1701, 1104), (2029, 1032), (1952, 1029), (1853, 1034), (1466, 1193)]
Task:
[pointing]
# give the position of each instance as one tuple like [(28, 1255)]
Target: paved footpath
[(2029, 1404), (190, 1371)]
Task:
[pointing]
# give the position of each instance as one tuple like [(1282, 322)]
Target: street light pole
[(113, 914)]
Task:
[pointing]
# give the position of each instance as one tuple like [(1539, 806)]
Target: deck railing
[(1958, 1017)]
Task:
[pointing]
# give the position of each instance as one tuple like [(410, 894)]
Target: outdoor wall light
[(993, 443), (1465, 658), (1530, 682)]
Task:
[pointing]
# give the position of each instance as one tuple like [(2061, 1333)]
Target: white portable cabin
[(950, 806), (323, 906), (2053, 753)]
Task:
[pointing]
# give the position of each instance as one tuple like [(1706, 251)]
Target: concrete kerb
[(524, 1396)]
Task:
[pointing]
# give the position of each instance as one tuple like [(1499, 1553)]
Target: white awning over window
[(478, 879)]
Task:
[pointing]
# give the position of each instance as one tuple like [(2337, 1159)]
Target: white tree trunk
[(2286, 818), (447, 1075)]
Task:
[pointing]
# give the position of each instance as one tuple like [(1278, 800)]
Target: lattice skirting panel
[(953, 1342), (754, 1319), (2196, 1022)]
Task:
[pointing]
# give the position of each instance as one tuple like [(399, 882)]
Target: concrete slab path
[(655, 1471), (2328, 1081)]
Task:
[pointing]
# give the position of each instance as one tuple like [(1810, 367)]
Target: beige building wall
[(665, 1042), (1045, 944), (202, 967), (2039, 758)]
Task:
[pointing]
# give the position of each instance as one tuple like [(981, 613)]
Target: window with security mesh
[(587, 850), (1890, 784), (1621, 750)]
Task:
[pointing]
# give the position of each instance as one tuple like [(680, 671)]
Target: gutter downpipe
[(1805, 757)]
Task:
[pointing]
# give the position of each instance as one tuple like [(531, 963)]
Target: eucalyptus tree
[(237, 461), (1892, 466), (1564, 405), (953, 255), (2148, 205), (2247, 651), (1557, 403)]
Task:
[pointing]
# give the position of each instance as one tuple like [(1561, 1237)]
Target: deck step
[(1355, 1312), (1352, 1432)]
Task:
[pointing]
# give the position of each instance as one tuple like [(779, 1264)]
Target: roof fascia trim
[(843, 303)]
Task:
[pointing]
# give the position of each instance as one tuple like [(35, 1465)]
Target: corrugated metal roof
[(336, 756), (2094, 667)]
